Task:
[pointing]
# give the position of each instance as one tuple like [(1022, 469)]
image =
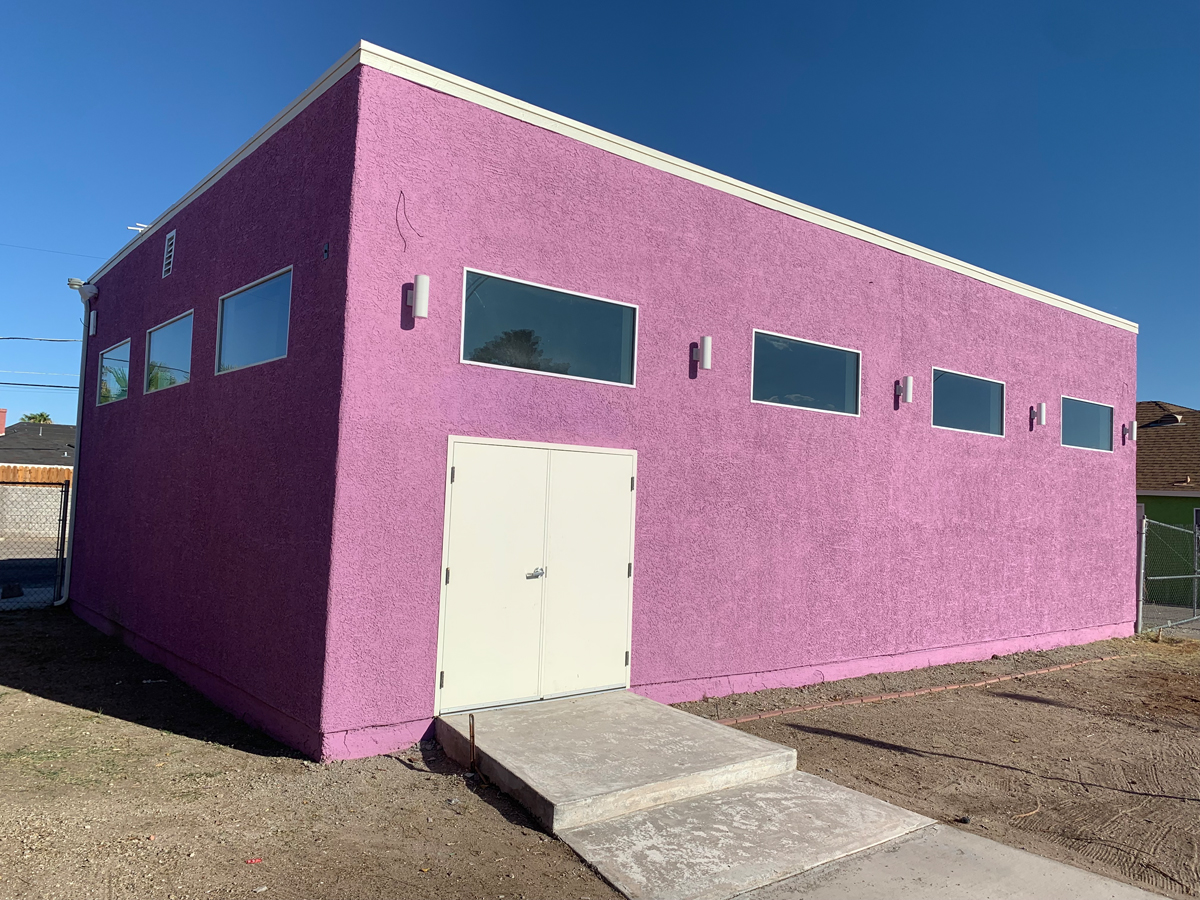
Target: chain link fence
[(1170, 589), (33, 542)]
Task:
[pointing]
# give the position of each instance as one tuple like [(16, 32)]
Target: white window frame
[(1003, 403), (1113, 426), (800, 340), (221, 322), (146, 367), (100, 371), (462, 329)]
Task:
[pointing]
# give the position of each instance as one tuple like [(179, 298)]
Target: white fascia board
[(385, 60), (1168, 493)]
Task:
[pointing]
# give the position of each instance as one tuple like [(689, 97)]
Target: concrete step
[(719, 845), (582, 760)]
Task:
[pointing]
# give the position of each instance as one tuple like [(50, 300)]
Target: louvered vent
[(169, 254)]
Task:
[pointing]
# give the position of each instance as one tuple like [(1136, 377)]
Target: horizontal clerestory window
[(114, 374), (1087, 425), (967, 403), (517, 325), (791, 372), (252, 323), (169, 354)]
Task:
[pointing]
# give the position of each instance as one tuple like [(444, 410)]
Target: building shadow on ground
[(54, 655)]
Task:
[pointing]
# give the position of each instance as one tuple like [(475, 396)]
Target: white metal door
[(491, 633), (585, 632), (539, 545)]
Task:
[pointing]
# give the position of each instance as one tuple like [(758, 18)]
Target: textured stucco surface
[(205, 510), (275, 534), (774, 545)]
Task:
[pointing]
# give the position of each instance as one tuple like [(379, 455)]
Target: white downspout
[(87, 293)]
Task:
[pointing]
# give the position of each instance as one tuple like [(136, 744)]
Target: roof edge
[(393, 63), (1184, 494)]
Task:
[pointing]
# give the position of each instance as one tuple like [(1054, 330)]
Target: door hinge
[(442, 675), (447, 574), (632, 481), (629, 574), (626, 657), (452, 474)]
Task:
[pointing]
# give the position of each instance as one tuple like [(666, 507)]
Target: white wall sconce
[(418, 297), (702, 353), (1129, 430), (92, 323), (1037, 415), (904, 389)]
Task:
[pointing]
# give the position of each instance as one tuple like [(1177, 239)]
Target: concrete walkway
[(943, 863), (670, 806)]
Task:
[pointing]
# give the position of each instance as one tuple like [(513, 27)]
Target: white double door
[(538, 573)]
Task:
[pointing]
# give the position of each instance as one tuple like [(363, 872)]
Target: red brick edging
[(854, 701)]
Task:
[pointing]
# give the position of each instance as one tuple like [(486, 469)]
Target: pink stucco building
[(338, 519)]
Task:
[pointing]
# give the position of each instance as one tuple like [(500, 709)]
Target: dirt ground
[(118, 781), (1097, 766)]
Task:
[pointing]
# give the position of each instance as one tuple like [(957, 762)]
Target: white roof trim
[(1168, 494), (419, 73)]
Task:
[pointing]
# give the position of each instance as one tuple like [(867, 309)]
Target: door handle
[(536, 573)]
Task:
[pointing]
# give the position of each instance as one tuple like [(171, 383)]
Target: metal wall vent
[(169, 254)]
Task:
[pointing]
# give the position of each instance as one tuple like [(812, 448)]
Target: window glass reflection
[(169, 355), (967, 404), (254, 324), (507, 323), (114, 374), (799, 373)]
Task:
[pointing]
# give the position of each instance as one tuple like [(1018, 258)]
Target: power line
[(50, 340), (22, 372), (59, 252), (65, 387)]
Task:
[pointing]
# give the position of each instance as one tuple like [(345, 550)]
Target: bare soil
[(118, 781), (1097, 765)]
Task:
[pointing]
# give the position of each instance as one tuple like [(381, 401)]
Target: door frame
[(534, 445)]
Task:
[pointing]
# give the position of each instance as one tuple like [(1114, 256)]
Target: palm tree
[(120, 377), (160, 376), (520, 349), (42, 418)]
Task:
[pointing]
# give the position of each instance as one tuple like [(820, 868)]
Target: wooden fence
[(35, 474)]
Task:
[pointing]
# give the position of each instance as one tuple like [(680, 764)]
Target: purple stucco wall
[(774, 546), (275, 534), (205, 510)]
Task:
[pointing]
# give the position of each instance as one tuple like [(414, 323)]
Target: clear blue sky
[(1054, 142)]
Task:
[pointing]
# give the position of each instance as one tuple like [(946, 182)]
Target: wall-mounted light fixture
[(1037, 415), (92, 323), (904, 388), (1129, 430), (702, 353), (418, 297)]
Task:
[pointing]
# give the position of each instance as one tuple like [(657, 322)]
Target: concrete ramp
[(665, 804), (582, 760), (669, 806)]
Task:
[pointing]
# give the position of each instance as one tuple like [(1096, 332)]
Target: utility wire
[(59, 252), (65, 387), (51, 340)]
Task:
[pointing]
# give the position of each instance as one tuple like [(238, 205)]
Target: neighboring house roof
[(384, 60), (1168, 453), (34, 444)]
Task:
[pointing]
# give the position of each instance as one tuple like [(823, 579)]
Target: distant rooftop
[(35, 444), (1168, 453)]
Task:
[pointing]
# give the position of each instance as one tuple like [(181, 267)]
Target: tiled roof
[(32, 444), (1168, 451)]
